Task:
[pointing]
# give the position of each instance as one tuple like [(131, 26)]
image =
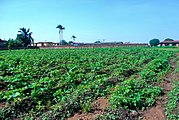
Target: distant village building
[(2, 43), (45, 44), (85, 45), (135, 44), (170, 43)]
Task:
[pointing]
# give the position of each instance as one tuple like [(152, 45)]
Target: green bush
[(154, 42)]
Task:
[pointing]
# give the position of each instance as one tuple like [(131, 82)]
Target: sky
[(136, 21)]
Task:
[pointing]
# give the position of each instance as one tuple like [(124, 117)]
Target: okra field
[(55, 84)]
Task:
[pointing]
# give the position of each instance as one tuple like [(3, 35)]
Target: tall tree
[(25, 36), (73, 37), (61, 28)]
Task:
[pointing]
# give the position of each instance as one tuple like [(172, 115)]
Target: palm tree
[(61, 28), (25, 36), (73, 37)]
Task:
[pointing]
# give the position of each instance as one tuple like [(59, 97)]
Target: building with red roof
[(2, 42), (170, 43)]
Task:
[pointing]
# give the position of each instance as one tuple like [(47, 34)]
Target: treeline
[(23, 39)]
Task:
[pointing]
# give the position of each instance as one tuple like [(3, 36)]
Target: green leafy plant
[(54, 84)]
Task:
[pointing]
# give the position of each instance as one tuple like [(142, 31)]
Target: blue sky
[(91, 20)]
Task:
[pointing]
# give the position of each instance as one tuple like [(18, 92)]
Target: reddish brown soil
[(2, 104), (98, 108), (157, 112)]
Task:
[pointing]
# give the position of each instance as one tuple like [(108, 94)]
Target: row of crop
[(137, 93), (172, 106), (37, 90), (76, 103), (54, 79)]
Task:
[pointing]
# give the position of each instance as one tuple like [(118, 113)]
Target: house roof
[(169, 42), (2, 40), (45, 42)]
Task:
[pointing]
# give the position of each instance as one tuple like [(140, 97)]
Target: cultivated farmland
[(61, 83)]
